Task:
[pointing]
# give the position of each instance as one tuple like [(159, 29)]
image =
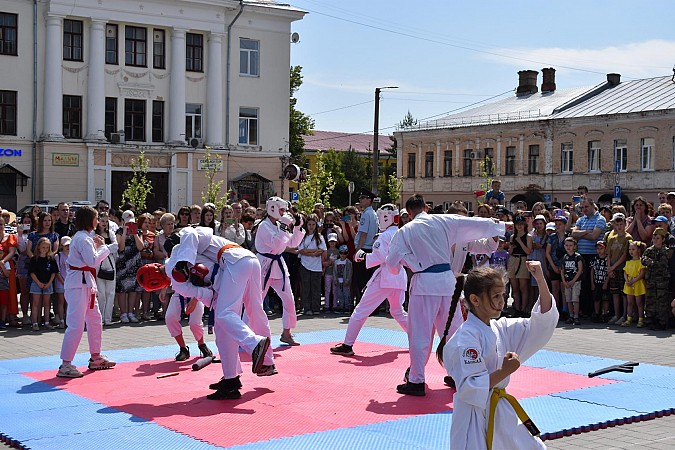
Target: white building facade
[(88, 85)]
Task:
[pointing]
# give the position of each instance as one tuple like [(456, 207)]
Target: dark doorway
[(8, 191), (160, 189)]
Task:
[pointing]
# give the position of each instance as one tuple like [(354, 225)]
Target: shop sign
[(11, 152), (205, 164), (65, 159)]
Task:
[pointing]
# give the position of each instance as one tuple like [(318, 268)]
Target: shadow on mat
[(436, 401), (36, 388), (197, 407), (375, 360), (147, 370)]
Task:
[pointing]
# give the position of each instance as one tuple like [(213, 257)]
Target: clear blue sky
[(447, 55)]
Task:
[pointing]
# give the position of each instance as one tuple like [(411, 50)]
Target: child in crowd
[(617, 253), (42, 269), (342, 280), (4, 289), (539, 241), (657, 278), (332, 255), (519, 248), (62, 261), (483, 411), (634, 274), (573, 267), (600, 283), (500, 257)]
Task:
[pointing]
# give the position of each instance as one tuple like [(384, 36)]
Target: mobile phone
[(577, 198), (229, 221), (328, 225), (132, 228), (346, 218), (26, 227)]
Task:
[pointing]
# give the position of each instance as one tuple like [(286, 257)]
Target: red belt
[(92, 271), (226, 247)]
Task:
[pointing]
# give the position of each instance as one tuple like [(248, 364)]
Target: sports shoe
[(183, 354), (48, 326), (613, 320), (628, 322), (25, 320), (288, 340), (100, 363), (641, 322), (619, 321), (62, 325), (342, 349), (226, 384), (205, 350), (124, 318), (67, 370), (146, 316), (416, 389), (132, 318), (577, 321), (35, 327), (222, 394), (570, 320), (258, 354), (267, 371)]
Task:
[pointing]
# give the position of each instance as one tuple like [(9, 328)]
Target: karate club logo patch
[(471, 356), (376, 245)]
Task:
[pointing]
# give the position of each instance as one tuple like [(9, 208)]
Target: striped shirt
[(587, 246)]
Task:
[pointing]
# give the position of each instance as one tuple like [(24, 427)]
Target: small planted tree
[(486, 170), (139, 187), (318, 187), (212, 162)]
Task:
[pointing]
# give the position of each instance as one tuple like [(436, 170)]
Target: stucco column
[(177, 89), (214, 91), (53, 93), (95, 86)]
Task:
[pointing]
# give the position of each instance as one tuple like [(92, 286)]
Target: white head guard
[(387, 215), (274, 207)]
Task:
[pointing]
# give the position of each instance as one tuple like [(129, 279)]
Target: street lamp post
[(376, 126)]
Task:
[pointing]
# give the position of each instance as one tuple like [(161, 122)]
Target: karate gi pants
[(172, 318), (79, 313), (371, 299), (288, 319)]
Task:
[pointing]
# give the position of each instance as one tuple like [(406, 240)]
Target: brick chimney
[(548, 82), (527, 82), (614, 79)]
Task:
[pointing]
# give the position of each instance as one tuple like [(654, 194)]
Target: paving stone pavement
[(590, 339)]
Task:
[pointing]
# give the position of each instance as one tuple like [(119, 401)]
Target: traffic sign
[(350, 187), (617, 166), (617, 191), (295, 196)]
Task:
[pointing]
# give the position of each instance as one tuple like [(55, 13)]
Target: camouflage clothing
[(657, 278)]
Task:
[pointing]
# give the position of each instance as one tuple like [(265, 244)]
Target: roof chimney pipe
[(527, 82), (548, 82), (614, 79)]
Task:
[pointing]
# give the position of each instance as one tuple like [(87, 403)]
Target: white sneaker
[(132, 318), (100, 363), (69, 371), (124, 318)]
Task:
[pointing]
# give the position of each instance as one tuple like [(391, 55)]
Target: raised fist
[(299, 221), (198, 274), (180, 272), (360, 256), (286, 221)]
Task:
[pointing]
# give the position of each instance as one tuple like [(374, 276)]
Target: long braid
[(459, 286)]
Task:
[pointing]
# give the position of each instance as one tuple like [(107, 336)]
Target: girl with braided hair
[(481, 356)]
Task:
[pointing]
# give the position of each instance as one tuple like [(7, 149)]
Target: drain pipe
[(227, 84), (35, 106)]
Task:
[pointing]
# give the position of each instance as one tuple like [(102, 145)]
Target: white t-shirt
[(312, 263)]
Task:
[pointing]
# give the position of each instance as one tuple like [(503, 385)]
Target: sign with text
[(65, 159), (295, 196), (206, 164)]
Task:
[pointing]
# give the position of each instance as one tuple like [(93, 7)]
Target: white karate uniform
[(237, 283), (272, 240), (384, 284), (477, 350), (80, 293), (173, 310), (484, 246), (426, 241)]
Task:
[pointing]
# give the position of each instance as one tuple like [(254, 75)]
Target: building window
[(429, 164), (72, 117), (194, 52), (134, 120), (621, 155), (248, 126), (647, 154), (249, 57), (8, 34), (157, 121), (594, 156), (8, 113), (135, 48), (72, 40), (193, 122), (510, 168), (468, 163), (111, 44), (533, 160), (447, 163), (158, 49), (567, 158), (411, 165), (489, 162), (110, 116)]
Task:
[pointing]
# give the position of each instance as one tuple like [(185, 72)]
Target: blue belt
[(276, 258), (212, 310), (436, 268)]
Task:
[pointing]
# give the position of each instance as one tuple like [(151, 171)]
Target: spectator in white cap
[(332, 254)]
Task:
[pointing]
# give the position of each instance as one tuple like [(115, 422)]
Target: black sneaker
[(577, 321), (258, 354), (406, 375), (416, 389), (570, 320), (226, 384), (342, 349), (183, 354), (222, 394), (205, 350)]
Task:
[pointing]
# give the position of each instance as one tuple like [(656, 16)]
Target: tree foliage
[(212, 161), (138, 187), (299, 123), (318, 187), (486, 171)]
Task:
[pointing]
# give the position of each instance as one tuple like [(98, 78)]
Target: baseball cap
[(563, 219), (670, 194), (660, 219), (618, 216), (550, 226), (502, 211), (65, 240), (128, 216), (343, 248), (603, 243), (540, 217), (332, 237), (519, 218)]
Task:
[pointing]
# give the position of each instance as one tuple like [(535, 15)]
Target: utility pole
[(376, 132)]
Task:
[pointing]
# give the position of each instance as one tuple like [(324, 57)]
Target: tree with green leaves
[(300, 124), (212, 164), (318, 187), (357, 168), (138, 187), (486, 171), (390, 186)]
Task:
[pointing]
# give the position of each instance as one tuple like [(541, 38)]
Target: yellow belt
[(498, 393)]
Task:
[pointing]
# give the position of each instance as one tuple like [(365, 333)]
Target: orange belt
[(226, 247), (92, 271)]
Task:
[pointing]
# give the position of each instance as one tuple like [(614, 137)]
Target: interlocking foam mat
[(317, 401)]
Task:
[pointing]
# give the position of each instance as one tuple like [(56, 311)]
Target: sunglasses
[(184, 214), (343, 253), (104, 208)]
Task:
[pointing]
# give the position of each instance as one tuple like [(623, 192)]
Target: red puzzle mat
[(314, 391)]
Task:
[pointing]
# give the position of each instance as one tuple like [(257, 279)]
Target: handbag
[(106, 274)]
